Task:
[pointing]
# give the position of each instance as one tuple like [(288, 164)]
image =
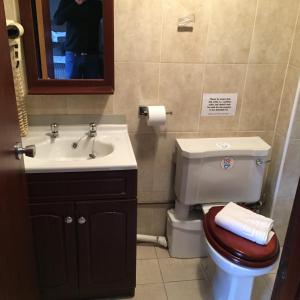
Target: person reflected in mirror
[(84, 54)]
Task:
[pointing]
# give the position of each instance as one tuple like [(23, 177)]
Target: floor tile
[(154, 291), (270, 280), (260, 290), (148, 271), (150, 292), (145, 251), (275, 270), (188, 290), (162, 252), (208, 268), (180, 269)]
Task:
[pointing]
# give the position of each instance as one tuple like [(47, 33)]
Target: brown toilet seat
[(237, 249)]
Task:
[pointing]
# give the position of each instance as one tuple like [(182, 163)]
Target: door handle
[(82, 220), (29, 151), (68, 220)]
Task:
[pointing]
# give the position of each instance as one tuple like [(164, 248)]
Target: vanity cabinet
[(84, 227)]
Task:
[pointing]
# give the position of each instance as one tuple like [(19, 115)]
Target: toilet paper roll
[(156, 115)]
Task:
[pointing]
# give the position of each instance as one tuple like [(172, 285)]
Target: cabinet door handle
[(82, 220), (68, 220)]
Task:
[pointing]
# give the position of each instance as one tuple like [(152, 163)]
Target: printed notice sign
[(219, 105)]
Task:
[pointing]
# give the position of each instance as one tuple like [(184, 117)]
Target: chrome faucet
[(54, 130), (93, 129)]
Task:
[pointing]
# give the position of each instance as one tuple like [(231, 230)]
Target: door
[(17, 277), (287, 283), (54, 235), (107, 247)]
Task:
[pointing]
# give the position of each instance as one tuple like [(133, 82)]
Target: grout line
[(191, 63), (201, 98), (210, 8), (199, 132), (247, 67), (185, 280), (156, 253), (278, 179), (286, 73), (161, 49), (161, 274)]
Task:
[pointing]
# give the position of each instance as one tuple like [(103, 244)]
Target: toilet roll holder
[(143, 111)]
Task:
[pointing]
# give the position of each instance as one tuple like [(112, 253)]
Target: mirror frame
[(38, 86)]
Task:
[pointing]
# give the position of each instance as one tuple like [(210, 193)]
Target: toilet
[(214, 172)]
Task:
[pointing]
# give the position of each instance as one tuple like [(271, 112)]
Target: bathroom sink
[(61, 149), (74, 150)]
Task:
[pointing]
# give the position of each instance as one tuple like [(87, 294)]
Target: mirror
[(68, 46)]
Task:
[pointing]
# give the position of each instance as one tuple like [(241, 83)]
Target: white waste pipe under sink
[(158, 240)]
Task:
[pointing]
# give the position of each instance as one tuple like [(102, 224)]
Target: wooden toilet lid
[(237, 249)]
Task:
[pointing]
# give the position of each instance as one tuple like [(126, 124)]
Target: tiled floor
[(160, 277)]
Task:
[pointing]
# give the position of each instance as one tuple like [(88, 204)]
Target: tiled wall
[(236, 46), (287, 184)]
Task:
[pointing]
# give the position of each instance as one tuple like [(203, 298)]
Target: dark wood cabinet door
[(54, 231), (107, 248)]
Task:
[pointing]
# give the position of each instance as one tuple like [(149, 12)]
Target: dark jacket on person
[(83, 23)]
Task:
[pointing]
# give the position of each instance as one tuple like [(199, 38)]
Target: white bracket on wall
[(186, 23)]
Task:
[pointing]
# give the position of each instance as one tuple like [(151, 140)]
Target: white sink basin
[(109, 150), (61, 149)]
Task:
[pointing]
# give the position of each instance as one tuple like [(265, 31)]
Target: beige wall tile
[(282, 211), (184, 46), (273, 33), (296, 123), (262, 97), (267, 136), (70, 104), (152, 218), (295, 57), (291, 172), (136, 84), (156, 196), (138, 26), (281, 231), (144, 147), (164, 167), (46, 105), (277, 151), (223, 79), (180, 91), (287, 100), (90, 104), (230, 31)]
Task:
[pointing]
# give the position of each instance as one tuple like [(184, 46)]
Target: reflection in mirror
[(69, 34)]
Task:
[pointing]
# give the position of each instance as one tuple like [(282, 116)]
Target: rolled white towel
[(245, 223)]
